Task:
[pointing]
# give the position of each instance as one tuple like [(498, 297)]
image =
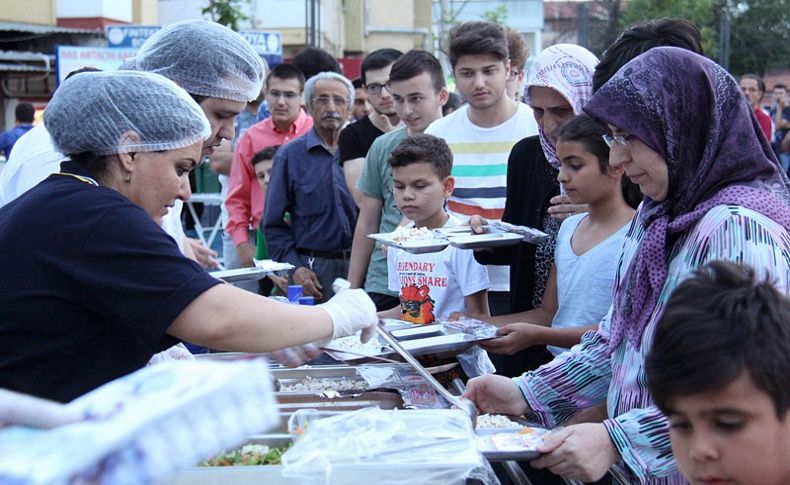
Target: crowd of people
[(651, 328)]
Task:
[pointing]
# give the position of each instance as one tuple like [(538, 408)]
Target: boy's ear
[(444, 95), (449, 185)]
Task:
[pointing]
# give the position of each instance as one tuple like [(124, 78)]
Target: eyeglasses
[(513, 74), (620, 140), (288, 95), (326, 100), (375, 88)]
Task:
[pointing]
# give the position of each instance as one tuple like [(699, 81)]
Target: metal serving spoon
[(463, 404)]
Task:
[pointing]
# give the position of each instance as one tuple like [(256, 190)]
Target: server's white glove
[(296, 356), (351, 311)]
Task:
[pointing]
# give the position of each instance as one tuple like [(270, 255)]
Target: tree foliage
[(497, 15), (226, 12), (760, 36), (759, 29)]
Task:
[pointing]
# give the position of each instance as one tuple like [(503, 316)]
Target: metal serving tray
[(418, 246), (351, 402), (495, 449), (485, 241), (443, 338), (240, 274)]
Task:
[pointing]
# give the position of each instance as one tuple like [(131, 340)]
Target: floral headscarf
[(691, 111), (567, 69)]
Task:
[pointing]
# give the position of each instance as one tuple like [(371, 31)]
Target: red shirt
[(245, 199), (765, 123)]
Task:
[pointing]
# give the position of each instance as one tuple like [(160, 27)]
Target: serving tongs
[(463, 404)]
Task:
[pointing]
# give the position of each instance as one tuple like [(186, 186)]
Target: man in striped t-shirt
[(482, 132)]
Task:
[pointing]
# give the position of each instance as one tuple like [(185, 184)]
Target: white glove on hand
[(296, 356), (351, 311)]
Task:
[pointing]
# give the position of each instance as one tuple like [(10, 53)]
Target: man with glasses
[(288, 121), (307, 182), (356, 138), (517, 53)]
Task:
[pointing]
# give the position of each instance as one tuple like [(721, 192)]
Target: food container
[(365, 447), (416, 246), (344, 388), (443, 339), (510, 444)]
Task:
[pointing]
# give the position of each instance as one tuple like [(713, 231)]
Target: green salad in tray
[(249, 455)]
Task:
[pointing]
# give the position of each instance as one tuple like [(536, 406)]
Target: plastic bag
[(386, 447), (146, 425)]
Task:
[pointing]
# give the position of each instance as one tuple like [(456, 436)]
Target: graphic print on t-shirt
[(416, 304)]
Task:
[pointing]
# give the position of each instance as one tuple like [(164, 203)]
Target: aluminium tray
[(444, 339), (240, 274), (417, 246), (509, 444)]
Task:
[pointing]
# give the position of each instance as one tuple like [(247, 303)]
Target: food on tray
[(310, 384), (524, 439), (495, 421), (353, 344), (405, 234), (249, 455)]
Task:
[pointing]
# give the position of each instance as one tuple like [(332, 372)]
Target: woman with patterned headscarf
[(713, 190), (558, 85)]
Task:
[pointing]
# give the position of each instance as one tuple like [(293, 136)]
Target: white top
[(435, 284), (584, 282), (480, 157), (34, 158)]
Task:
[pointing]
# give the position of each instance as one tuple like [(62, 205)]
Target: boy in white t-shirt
[(430, 285)]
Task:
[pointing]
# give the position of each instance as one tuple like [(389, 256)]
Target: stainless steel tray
[(485, 444), (240, 274), (485, 241), (383, 399), (444, 339), (418, 246)]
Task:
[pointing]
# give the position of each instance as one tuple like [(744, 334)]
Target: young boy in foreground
[(720, 370), (430, 285)]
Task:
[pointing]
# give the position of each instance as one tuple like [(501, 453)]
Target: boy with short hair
[(719, 370), (262, 163), (430, 285), (482, 133)]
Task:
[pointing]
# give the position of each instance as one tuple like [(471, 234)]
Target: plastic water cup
[(294, 292), (306, 300)]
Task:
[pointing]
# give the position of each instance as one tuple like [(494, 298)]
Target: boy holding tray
[(430, 285)]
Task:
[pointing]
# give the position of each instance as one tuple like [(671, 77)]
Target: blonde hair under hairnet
[(123, 111), (206, 59)]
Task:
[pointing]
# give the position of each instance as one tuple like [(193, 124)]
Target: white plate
[(418, 246), (483, 241)]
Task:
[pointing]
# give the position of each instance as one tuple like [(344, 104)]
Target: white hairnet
[(206, 59), (96, 112)]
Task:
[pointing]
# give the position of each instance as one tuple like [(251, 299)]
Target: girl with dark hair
[(579, 290)]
